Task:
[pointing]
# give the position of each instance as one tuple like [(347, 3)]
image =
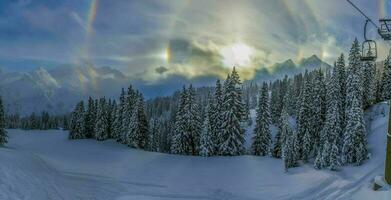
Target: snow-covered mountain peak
[(313, 62), (43, 78)]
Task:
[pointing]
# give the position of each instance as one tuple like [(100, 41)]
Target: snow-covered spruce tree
[(325, 156), (278, 142), (109, 110), (354, 149), (334, 159), (341, 78), (215, 117), (232, 133), (3, 132), (288, 154), (304, 129), (127, 113), (290, 100), (239, 91), (154, 135), (113, 116), (77, 126), (101, 124), (275, 106), (297, 84), (378, 86), (138, 127), (179, 141), (206, 143), (279, 138), (247, 115), (262, 136), (318, 107), (193, 121), (386, 80), (330, 134), (117, 124), (89, 118)]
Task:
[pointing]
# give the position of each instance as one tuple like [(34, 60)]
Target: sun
[(238, 54)]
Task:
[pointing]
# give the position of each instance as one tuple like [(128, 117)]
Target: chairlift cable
[(359, 10)]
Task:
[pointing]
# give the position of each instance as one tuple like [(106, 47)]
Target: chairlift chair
[(369, 50), (385, 29)]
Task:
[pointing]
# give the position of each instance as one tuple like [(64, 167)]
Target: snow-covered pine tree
[(193, 121), (331, 132), (247, 115), (278, 142), (138, 127), (101, 124), (325, 156), (206, 143), (154, 135), (109, 110), (238, 87), (288, 141), (77, 126), (378, 86), (215, 117), (117, 124), (297, 85), (232, 133), (179, 141), (279, 139), (334, 158), (341, 78), (262, 136), (304, 129), (127, 113), (354, 148), (386, 80), (89, 118), (290, 100), (3, 132), (275, 105), (318, 107)]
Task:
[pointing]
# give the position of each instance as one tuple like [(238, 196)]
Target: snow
[(46, 165)]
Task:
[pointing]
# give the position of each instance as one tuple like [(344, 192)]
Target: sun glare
[(165, 55), (238, 54)]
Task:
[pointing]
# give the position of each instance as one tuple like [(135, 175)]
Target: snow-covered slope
[(46, 165)]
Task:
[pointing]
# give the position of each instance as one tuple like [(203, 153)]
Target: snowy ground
[(46, 165)]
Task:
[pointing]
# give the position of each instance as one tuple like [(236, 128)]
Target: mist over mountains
[(58, 89)]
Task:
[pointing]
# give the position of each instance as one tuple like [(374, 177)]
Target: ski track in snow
[(45, 165)]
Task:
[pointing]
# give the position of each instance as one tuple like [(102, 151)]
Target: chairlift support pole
[(387, 170)]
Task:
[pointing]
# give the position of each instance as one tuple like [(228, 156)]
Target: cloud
[(184, 37), (161, 70)]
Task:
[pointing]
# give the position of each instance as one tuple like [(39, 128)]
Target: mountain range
[(57, 89)]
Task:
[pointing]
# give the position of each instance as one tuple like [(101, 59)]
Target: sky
[(153, 40)]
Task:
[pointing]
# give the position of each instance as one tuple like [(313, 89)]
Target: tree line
[(45, 121)]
